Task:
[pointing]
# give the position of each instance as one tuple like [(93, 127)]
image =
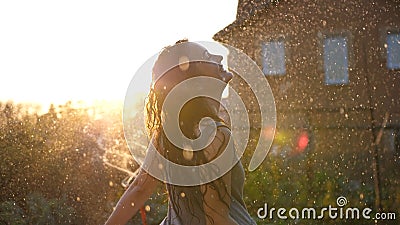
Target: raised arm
[(133, 198)]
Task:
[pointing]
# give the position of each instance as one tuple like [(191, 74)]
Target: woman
[(219, 201)]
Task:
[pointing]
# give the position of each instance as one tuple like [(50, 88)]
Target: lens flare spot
[(302, 141), (269, 132), (281, 137), (187, 153), (184, 63)]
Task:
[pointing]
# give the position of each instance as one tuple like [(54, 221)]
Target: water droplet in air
[(184, 63), (188, 154)]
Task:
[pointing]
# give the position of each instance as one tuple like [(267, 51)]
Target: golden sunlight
[(90, 57)]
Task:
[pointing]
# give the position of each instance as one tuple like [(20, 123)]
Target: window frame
[(389, 32), (350, 55), (383, 32), (260, 57)]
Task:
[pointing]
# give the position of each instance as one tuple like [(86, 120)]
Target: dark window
[(273, 57), (393, 50), (336, 65)]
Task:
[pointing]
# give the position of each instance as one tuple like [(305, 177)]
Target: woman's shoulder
[(219, 142)]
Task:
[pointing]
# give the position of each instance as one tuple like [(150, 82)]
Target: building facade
[(334, 69)]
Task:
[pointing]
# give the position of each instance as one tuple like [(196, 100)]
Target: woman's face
[(200, 62), (195, 60), (210, 64)]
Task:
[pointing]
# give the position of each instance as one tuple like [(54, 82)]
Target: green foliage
[(11, 213), (313, 180), (157, 209), (66, 167), (39, 210), (52, 167)]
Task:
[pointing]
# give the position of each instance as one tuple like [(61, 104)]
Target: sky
[(55, 51)]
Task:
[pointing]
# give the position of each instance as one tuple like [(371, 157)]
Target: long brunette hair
[(184, 199)]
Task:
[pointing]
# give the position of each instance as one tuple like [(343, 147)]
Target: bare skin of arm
[(217, 208), (133, 198)]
